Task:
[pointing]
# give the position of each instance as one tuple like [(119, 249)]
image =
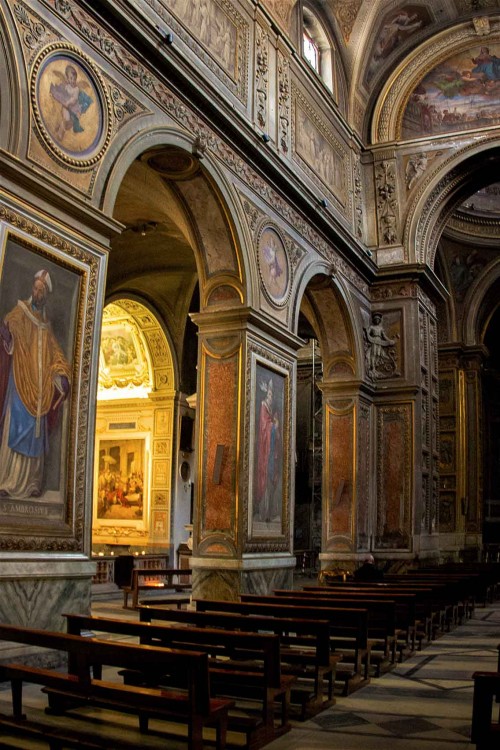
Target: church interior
[(249, 318)]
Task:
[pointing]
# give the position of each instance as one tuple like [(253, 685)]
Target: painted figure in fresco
[(394, 31), (267, 455), (378, 341), (73, 100), (38, 382), (274, 268), (486, 64)]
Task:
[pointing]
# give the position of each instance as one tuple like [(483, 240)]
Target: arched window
[(316, 47)]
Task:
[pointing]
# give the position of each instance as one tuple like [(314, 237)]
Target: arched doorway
[(329, 485)]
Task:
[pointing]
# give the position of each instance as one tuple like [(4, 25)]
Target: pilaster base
[(227, 579)]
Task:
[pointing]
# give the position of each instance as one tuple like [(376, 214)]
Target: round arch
[(452, 181), (14, 104), (135, 428), (220, 212), (337, 319)]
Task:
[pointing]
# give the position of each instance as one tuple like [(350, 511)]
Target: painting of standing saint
[(268, 453), (37, 344), (462, 93)]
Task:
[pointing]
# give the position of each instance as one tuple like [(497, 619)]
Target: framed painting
[(274, 267), (42, 303), (121, 480), (71, 105), (269, 461)]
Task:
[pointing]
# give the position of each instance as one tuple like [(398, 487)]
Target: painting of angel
[(74, 101), (273, 264), (69, 104)]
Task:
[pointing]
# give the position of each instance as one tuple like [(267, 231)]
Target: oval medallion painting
[(68, 105), (273, 266)]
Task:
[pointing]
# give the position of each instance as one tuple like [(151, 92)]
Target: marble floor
[(426, 702)]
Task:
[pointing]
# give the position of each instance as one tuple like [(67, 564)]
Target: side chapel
[(249, 284)]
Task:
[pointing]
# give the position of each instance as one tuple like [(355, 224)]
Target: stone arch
[(342, 348), (479, 304), (444, 189), (395, 95), (135, 416), (14, 104), (226, 281)]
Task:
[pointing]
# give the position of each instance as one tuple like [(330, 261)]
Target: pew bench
[(485, 732), (191, 704), (158, 581), (381, 622), (305, 649), (243, 666), (348, 633)]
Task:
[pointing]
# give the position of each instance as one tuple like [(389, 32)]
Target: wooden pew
[(158, 581), (485, 732), (192, 705), (305, 648), (241, 664), (405, 608), (427, 607), (381, 622), (348, 632)]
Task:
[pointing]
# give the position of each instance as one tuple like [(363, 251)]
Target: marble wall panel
[(394, 476)]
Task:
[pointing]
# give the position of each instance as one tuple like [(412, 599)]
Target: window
[(311, 51), (317, 49)]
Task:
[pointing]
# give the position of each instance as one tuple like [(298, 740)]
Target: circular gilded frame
[(274, 267), (71, 105)]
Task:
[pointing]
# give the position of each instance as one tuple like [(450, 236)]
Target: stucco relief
[(283, 103), (261, 75), (283, 11), (382, 346), (387, 204), (346, 12), (316, 146), (218, 34)]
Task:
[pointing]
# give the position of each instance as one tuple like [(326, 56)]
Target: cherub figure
[(73, 100), (270, 255)]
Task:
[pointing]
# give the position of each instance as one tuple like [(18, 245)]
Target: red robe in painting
[(267, 461)]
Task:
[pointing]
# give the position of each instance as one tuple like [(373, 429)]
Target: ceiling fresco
[(459, 94)]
